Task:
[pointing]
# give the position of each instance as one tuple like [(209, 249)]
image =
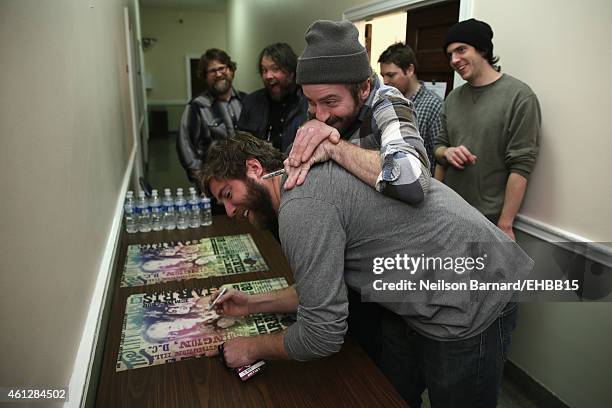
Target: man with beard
[(275, 112), (366, 127), (212, 115), (334, 231)]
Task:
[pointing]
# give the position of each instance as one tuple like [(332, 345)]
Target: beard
[(279, 92), (221, 86), (338, 122), (260, 205)]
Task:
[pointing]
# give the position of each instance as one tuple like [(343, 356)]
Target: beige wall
[(253, 24), (165, 61), (386, 30), (566, 346), (65, 147), (562, 52)]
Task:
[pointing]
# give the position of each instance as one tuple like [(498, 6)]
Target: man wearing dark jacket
[(275, 112), (212, 115)]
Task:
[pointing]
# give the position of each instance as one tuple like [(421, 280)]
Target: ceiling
[(202, 5)]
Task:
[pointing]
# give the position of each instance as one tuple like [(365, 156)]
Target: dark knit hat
[(333, 54), (473, 32)]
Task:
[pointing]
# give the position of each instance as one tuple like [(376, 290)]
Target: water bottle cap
[(179, 190), (130, 194), (141, 193), (154, 192), (166, 190)]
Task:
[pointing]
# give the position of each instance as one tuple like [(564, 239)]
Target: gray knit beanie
[(333, 55)]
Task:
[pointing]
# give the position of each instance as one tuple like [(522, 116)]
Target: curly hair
[(226, 159), (211, 55)]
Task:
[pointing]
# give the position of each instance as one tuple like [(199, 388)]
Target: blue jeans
[(462, 373)]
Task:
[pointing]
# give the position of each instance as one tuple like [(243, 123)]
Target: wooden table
[(347, 379)]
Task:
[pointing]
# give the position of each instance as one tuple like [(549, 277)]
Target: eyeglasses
[(219, 70)]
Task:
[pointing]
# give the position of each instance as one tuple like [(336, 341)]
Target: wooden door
[(197, 84), (425, 31)]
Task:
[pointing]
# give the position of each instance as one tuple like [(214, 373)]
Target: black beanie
[(473, 32), (333, 54)]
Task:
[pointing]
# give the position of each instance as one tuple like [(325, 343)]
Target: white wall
[(65, 146), (386, 30), (165, 61), (561, 50)]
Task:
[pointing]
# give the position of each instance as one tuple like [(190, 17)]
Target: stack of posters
[(148, 264), (163, 327)]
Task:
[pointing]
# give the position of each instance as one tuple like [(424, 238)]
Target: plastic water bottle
[(144, 213), (131, 222), (156, 212), (182, 213), (169, 217), (206, 211), (195, 218)]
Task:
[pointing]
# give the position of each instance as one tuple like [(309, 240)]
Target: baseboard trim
[(569, 241), (82, 370), (543, 397)]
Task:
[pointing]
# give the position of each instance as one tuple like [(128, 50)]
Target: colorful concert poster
[(147, 264), (163, 327)]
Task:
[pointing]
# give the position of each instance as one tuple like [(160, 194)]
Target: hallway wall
[(253, 24), (179, 32), (561, 52), (65, 146)]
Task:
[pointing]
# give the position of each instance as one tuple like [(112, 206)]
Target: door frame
[(188, 58), (466, 11)]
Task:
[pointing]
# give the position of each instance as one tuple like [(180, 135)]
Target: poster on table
[(164, 327), (148, 264)]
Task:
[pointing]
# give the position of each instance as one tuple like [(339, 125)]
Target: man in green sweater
[(489, 139)]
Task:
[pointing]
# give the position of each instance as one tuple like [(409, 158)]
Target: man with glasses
[(212, 115)]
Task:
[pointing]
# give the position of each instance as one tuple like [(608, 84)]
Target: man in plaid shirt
[(366, 127), (351, 114), (398, 68)]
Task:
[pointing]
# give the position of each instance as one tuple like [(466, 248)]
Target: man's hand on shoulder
[(314, 143), (459, 156)]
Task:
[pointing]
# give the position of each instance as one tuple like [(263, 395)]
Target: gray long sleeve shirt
[(332, 227)]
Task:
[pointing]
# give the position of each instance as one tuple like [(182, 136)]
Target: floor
[(165, 171), (164, 168)]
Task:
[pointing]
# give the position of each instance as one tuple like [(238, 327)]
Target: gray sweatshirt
[(334, 227)]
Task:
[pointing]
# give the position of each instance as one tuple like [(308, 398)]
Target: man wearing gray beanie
[(489, 139), (364, 126)]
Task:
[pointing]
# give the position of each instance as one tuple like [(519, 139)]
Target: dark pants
[(462, 373), (364, 324)]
